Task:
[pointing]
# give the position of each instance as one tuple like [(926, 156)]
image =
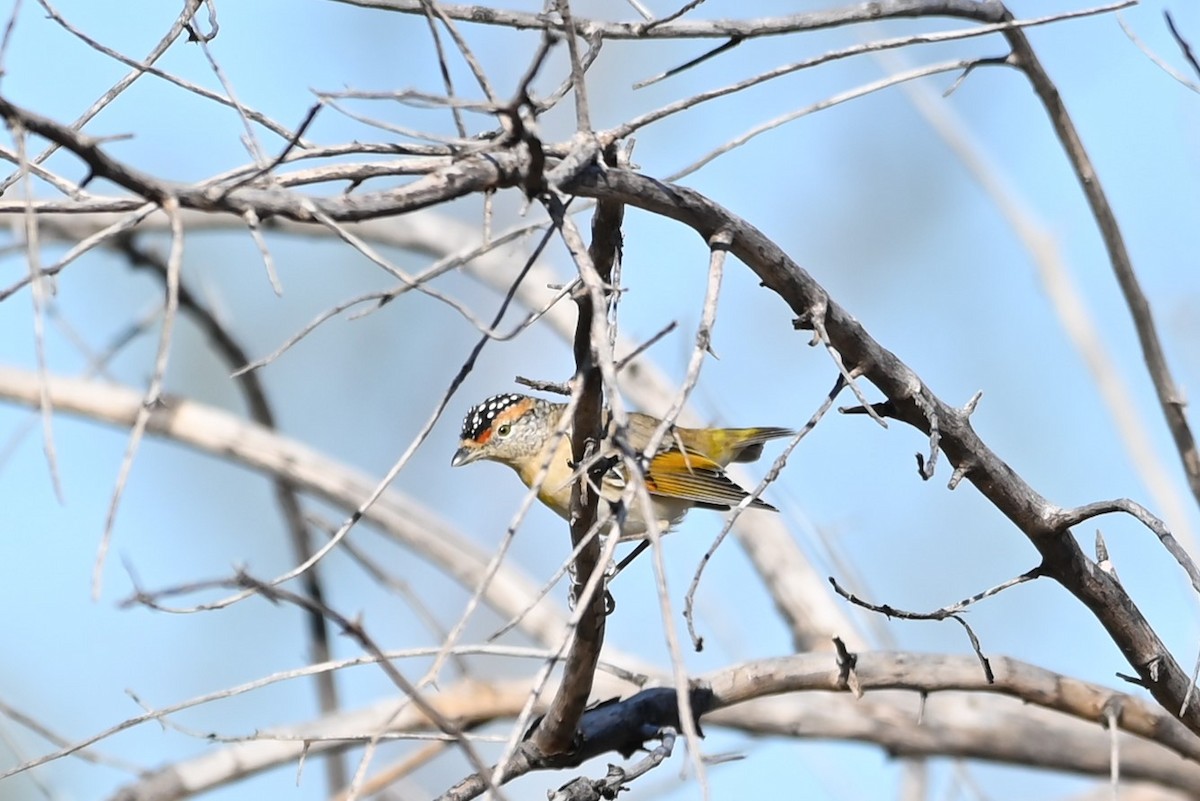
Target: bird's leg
[(634, 554), (610, 603)]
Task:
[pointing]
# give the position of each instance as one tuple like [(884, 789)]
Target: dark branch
[(1062, 558), (556, 733)]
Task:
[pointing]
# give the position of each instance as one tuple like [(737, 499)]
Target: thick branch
[(934, 673), (963, 715), (467, 176), (214, 431), (811, 614), (556, 733), (910, 401), (987, 728)]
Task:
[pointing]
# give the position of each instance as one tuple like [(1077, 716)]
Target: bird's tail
[(746, 444)]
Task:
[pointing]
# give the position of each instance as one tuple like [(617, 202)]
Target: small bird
[(687, 471)]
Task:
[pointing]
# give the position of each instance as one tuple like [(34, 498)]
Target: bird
[(687, 471)]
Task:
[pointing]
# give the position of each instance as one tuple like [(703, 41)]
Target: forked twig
[(352, 628), (1066, 518), (952, 612), (161, 47)]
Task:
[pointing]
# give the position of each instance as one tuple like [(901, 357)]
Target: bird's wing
[(696, 478)]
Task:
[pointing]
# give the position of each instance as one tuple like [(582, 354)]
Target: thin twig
[(354, 629), (9, 27), (292, 143), (153, 391), (816, 319), (139, 69), (1154, 57), (950, 612), (583, 119), (33, 255), (689, 599), (229, 350), (251, 139), (684, 9), (1170, 399), (625, 360), (829, 102), (627, 128), (1183, 43), (57, 740), (399, 465), (443, 67), (464, 50), (687, 65), (1069, 302)]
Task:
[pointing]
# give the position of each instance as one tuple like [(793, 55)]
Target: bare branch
[(467, 176), (1033, 514), (233, 354), (1002, 23), (328, 198), (583, 118), (725, 28), (689, 599), (1073, 517), (556, 733), (1154, 57), (1169, 396), (796, 588), (38, 294), (700, 59), (1183, 43), (774, 696), (180, 24), (153, 392), (214, 431), (353, 628)]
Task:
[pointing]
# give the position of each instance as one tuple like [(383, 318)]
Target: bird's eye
[(503, 430)]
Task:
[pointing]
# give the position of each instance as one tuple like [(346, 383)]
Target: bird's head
[(508, 428)]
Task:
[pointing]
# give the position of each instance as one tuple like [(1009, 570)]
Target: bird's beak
[(464, 455)]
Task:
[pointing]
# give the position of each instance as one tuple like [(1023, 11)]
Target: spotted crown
[(480, 418)]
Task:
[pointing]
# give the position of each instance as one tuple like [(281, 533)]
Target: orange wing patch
[(696, 478)]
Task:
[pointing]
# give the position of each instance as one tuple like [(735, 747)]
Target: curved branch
[(909, 401), (214, 431), (224, 434), (1073, 517), (1169, 396), (933, 673), (963, 716), (970, 727), (810, 613), (230, 350)]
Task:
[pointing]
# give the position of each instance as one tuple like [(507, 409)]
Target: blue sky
[(866, 196)]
